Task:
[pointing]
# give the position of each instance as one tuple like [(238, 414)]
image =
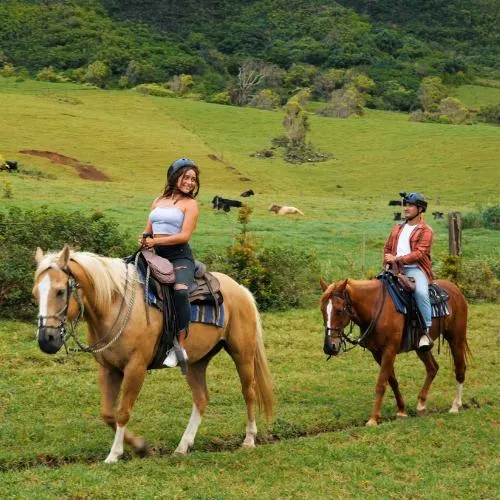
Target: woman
[(171, 223), (410, 244)]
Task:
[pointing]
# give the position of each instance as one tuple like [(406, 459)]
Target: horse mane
[(107, 275)]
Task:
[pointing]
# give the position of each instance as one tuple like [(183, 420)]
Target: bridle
[(347, 311), (73, 287)]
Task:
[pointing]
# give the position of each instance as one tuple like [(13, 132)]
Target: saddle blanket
[(204, 312)]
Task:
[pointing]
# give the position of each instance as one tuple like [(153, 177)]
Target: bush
[(490, 114), (476, 278), (344, 103), (155, 89), (97, 73), (487, 217), (49, 75), (451, 110), (8, 70), (50, 230), (278, 277), (265, 99), (222, 98)]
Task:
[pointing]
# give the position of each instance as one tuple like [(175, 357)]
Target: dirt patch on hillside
[(85, 170)]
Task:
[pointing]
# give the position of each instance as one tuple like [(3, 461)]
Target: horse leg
[(196, 377), (133, 378), (393, 382), (109, 383), (431, 369), (386, 369), (458, 352)]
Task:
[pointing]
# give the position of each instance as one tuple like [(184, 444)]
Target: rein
[(347, 310), (97, 347)]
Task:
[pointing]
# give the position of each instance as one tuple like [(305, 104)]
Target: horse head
[(54, 292), (336, 311)]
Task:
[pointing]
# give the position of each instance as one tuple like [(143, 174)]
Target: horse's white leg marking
[(249, 441), (420, 406), (117, 448), (457, 402), (187, 440), (43, 290), (329, 308)]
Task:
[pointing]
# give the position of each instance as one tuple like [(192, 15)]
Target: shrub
[(344, 103), (221, 98), (48, 74), (155, 89), (431, 92), (451, 110), (278, 277), (265, 99), (8, 70), (487, 217), (490, 113), (475, 277), (97, 73), (181, 84), (49, 229)]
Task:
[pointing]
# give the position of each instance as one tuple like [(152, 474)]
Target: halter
[(348, 311)]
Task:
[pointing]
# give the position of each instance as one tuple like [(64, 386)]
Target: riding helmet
[(416, 199), (178, 164)]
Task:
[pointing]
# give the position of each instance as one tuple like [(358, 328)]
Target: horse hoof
[(141, 448), (454, 410), (248, 445), (401, 415), (112, 459), (371, 423)]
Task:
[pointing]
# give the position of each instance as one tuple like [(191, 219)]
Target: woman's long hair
[(172, 181)]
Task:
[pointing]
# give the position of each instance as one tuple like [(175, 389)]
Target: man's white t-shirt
[(403, 247)]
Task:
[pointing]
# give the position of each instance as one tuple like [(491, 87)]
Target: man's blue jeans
[(421, 293)]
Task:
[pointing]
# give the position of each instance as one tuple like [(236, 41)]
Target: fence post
[(455, 233)]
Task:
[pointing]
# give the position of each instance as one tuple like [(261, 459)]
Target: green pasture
[(132, 139), (478, 95), (52, 441)]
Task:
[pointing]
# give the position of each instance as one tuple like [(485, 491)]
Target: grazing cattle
[(395, 203), (225, 204), (438, 215), (248, 193), (281, 210), (10, 166), (397, 215)]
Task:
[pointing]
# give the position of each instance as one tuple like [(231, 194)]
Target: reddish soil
[(85, 170)]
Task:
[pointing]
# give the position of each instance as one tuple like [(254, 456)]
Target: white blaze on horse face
[(43, 291), (329, 310)]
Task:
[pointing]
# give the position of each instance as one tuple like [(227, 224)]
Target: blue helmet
[(178, 164), (416, 199)]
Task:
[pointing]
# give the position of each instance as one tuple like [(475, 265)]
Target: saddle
[(205, 289), (405, 303)]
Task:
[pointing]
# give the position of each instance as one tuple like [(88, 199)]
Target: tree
[(431, 92), (97, 73)]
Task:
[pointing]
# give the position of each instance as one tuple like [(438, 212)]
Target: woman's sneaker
[(425, 343), (172, 359)]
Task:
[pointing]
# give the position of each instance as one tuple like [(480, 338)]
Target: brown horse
[(103, 290), (363, 302)]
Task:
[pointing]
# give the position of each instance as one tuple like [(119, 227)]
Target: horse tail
[(264, 385)]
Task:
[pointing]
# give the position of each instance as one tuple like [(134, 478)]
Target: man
[(410, 244)]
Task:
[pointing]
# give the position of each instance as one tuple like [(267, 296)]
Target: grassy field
[(51, 439)]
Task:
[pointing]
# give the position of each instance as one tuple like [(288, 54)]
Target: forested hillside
[(125, 42)]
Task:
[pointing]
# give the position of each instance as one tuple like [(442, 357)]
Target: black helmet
[(178, 164), (416, 199)]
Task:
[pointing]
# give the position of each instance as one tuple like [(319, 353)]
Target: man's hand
[(389, 258)]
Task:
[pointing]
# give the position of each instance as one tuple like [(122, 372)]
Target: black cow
[(397, 215), (248, 193), (225, 204), (438, 215), (10, 166), (395, 203)]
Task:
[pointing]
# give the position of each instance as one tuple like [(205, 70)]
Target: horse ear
[(343, 284), (323, 284), (63, 258), (38, 255)]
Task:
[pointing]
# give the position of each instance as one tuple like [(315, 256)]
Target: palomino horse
[(363, 302), (102, 290)]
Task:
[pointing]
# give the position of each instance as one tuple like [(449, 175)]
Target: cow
[(225, 204), (248, 193), (10, 166), (397, 215), (438, 215), (395, 203), (281, 210)]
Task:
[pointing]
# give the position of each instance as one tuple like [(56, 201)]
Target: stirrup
[(425, 343), (171, 359)]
